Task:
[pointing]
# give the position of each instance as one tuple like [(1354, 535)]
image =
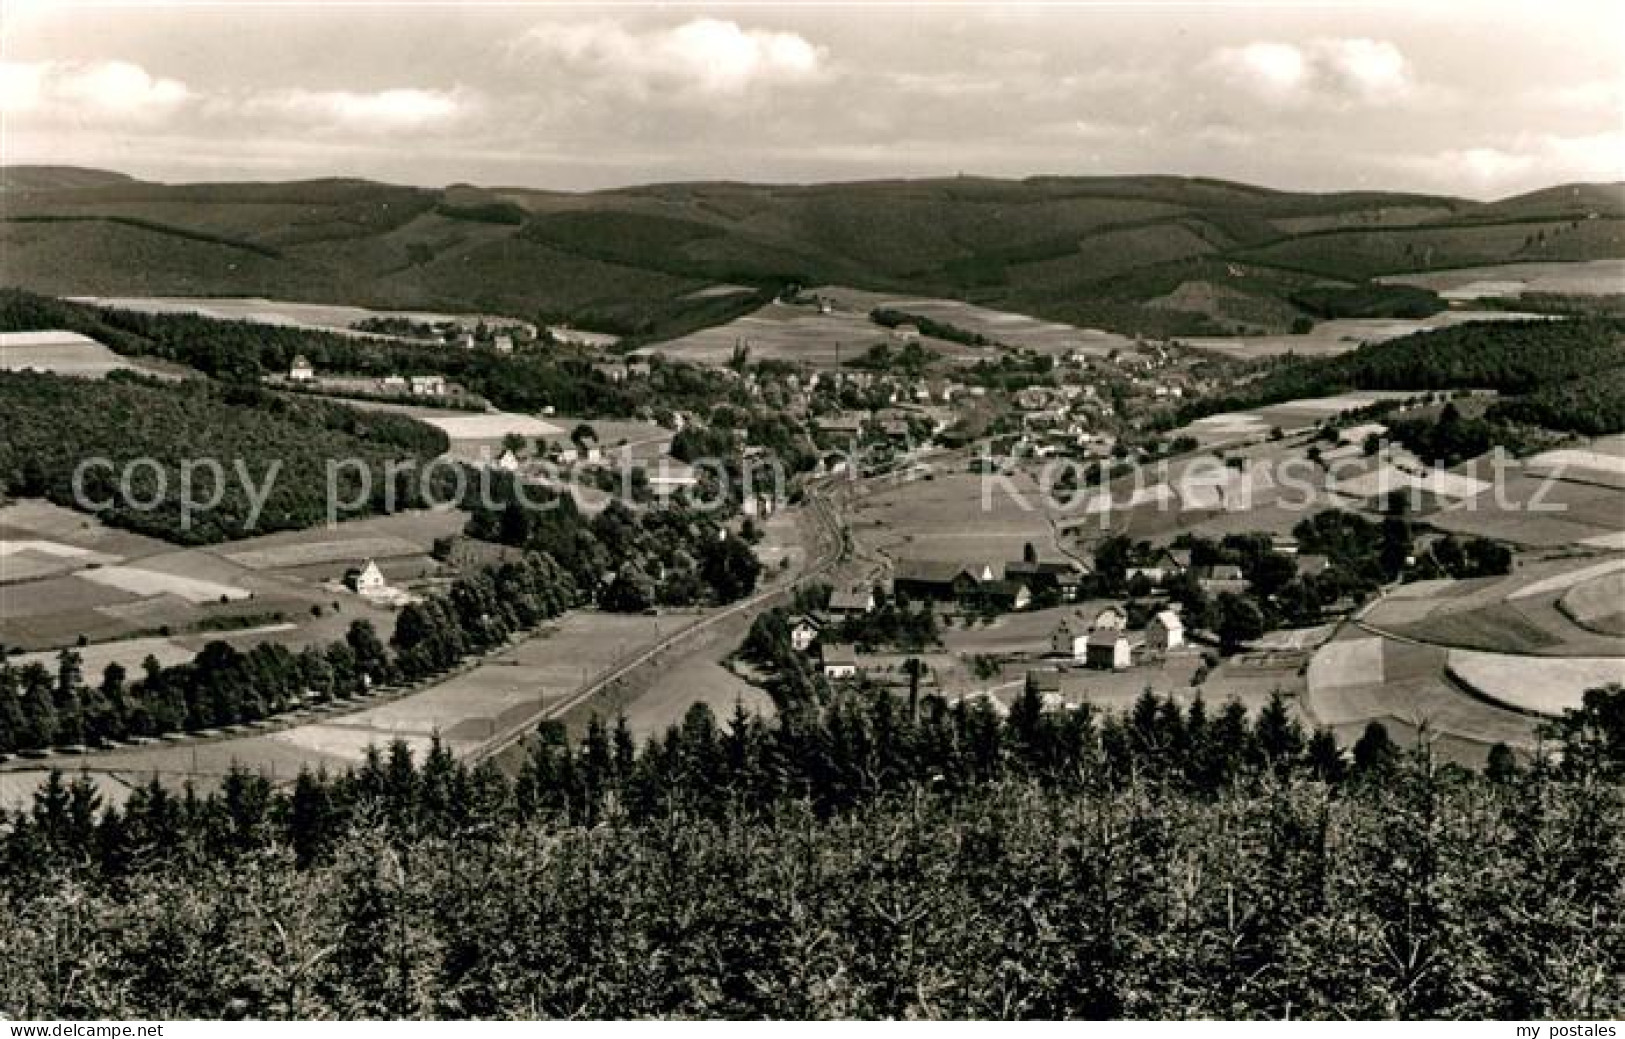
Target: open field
[(328, 316), (492, 426), (130, 654), (1584, 278), (999, 326), (31, 558), (786, 332), (105, 584), (1361, 678), (1597, 604), (1518, 613), (142, 582), (502, 690), (1602, 462), (1534, 684), (317, 552), (944, 518), (64, 353), (1339, 336), (1540, 512), (1275, 489), (1293, 415)]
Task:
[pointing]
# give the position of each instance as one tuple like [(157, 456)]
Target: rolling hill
[(1153, 254)]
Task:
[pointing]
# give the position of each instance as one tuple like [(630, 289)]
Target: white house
[(1164, 631), (509, 462), (503, 344), (366, 579), (428, 385), (803, 633), (1110, 619), (301, 370), (840, 662)]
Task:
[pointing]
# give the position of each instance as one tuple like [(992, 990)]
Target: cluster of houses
[(977, 584), (1216, 578), (1106, 645), (303, 373), (666, 475)]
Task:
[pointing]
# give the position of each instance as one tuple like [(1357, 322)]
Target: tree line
[(222, 685), (864, 860)]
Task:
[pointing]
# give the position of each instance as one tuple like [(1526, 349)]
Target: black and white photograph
[(644, 512)]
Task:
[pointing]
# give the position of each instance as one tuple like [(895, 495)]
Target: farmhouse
[(508, 462), (939, 580), (804, 632), (840, 662), (1165, 631), (301, 370), (851, 602), (428, 385), (366, 579), (1063, 578), (1108, 650), (1112, 618), (1005, 596)]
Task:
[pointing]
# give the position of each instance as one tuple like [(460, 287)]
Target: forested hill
[(1567, 375), (1153, 254), (149, 430)]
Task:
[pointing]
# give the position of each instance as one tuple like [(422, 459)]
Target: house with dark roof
[(1064, 578), (1005, 596), (1108, 650), (841, 662), (939, 580)]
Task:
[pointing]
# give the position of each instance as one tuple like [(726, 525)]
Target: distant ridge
[(1159, 255), (58, 178)]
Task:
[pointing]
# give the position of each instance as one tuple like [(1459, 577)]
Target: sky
[(1481, 99)]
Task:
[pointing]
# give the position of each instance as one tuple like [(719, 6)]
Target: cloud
[(705, 57), (402, 108), (105, 90), (1342, 70), (1522, 161)]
